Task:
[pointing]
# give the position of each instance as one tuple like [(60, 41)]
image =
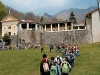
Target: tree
[(72, 17), (54, 19), (29, 16), (3, 12), (6, 39), (41, 20)]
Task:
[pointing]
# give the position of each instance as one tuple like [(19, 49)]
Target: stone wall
[(69, 37), (13, 40), (29, 36)]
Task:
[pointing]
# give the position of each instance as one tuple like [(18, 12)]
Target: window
[(9, 27), (9, 33), (20, 40), (14, 33)]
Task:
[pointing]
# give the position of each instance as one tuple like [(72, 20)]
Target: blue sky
[(39, 7)]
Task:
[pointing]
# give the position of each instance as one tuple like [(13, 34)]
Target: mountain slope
[(79, 14)]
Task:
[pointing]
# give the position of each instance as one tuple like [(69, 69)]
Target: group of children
[(59, 65)]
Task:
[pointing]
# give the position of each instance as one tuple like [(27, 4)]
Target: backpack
[(65, 68), (53, 70), (58, 59), (45, 67)]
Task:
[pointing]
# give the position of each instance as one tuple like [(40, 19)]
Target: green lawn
[(26, 62)]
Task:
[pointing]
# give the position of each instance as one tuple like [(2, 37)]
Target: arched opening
[(1, 43)]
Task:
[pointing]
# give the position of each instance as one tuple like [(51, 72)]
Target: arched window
[(9, 27)]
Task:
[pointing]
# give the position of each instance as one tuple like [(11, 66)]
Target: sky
[(39, 7)]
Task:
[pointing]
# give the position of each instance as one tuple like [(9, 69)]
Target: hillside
[(64, 14)]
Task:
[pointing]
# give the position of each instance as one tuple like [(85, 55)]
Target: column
[(65, 26), (42, 28), (20, 27), (71, 25), (45, 27), (27, 26), (35, 26), (78, 27), (51, 27), (58, 27), (85, 27)]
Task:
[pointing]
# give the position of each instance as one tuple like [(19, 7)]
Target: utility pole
[(98, 2)]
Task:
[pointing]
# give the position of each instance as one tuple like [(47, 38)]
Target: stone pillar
[(45, 28), (20, 27), (78, 28), (51, 27), (85, 27), (71, 25), (58, 27), (27, 26), (65, 26), (36, 27), (42, 28)]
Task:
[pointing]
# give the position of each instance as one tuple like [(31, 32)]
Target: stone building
[(27, 31), (92, 22), (9, 25)]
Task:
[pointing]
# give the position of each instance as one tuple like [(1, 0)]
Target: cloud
[(49, 6), (34, 4)]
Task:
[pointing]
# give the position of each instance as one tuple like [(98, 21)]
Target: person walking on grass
[(42, 48), (77, 50), (65, 67), (54, 67), (44, 65), (51, 48)]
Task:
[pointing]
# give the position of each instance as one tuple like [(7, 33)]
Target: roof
[(12, 18), (89, 14), (26, 21), (42, 23), (81, 24), (54, 22)]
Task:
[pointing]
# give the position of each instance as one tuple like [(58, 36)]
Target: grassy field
[(26, 62)]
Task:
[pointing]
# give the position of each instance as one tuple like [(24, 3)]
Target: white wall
[(96, 26), (88, 23), (12, 25)]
